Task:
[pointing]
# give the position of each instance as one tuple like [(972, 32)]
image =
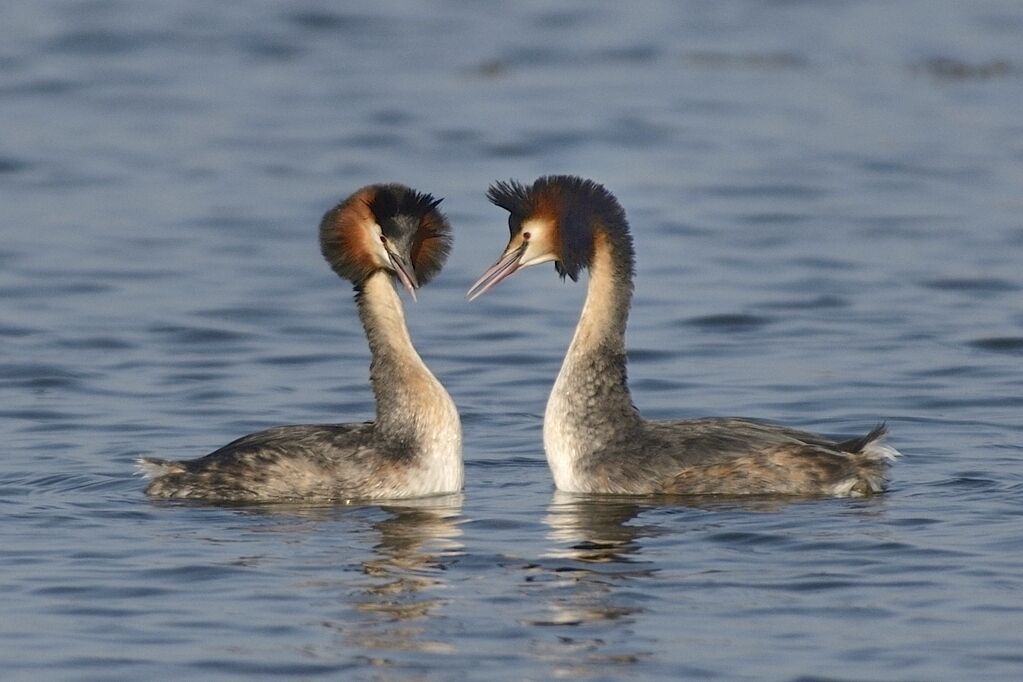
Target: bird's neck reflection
[(405, 576), (594, 530), (592, 566)]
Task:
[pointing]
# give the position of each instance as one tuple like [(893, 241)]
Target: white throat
[(407, 390), (566, 439)]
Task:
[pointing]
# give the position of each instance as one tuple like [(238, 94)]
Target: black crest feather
[(407, 217), (580, 207), (512, 196), (393, 200), (397, 204)]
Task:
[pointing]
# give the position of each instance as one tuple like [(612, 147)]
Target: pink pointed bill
[(507, 265), (406, 275)]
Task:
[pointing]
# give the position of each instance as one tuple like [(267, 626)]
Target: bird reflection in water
[(589, 577), (594, 577), (406, 575), (393, 606)]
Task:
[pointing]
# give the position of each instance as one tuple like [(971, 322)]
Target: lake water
[(827, 201)]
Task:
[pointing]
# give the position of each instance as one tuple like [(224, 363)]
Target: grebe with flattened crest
[(595, 439), (414, 448)]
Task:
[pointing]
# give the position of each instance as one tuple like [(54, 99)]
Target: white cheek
[(537, 259), (377, 244), (539, 249)]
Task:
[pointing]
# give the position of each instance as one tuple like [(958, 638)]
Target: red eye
[(526, 236), (383, 239)]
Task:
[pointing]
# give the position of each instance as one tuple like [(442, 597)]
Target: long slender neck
[(590, 407), (407, 393), (601, 328)]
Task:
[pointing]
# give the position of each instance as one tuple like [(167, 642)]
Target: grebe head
[(554, 219), (386, 227)]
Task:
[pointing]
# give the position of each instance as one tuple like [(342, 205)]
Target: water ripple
[(977, 285), (728, 322), (198, 336), (1011, 345)]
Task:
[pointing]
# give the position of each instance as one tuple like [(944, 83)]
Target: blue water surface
[(827, 202)]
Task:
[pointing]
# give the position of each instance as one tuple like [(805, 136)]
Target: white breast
[(560, 440), (440, 467)]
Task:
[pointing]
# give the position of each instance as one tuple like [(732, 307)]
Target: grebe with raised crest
[(379, 234), (595, 439)]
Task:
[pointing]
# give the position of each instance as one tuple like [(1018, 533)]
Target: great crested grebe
[(414, 448), (596, 440)]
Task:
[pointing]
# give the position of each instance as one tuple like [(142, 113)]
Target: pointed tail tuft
[(152, 467), (875, 448), (872, 445)]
